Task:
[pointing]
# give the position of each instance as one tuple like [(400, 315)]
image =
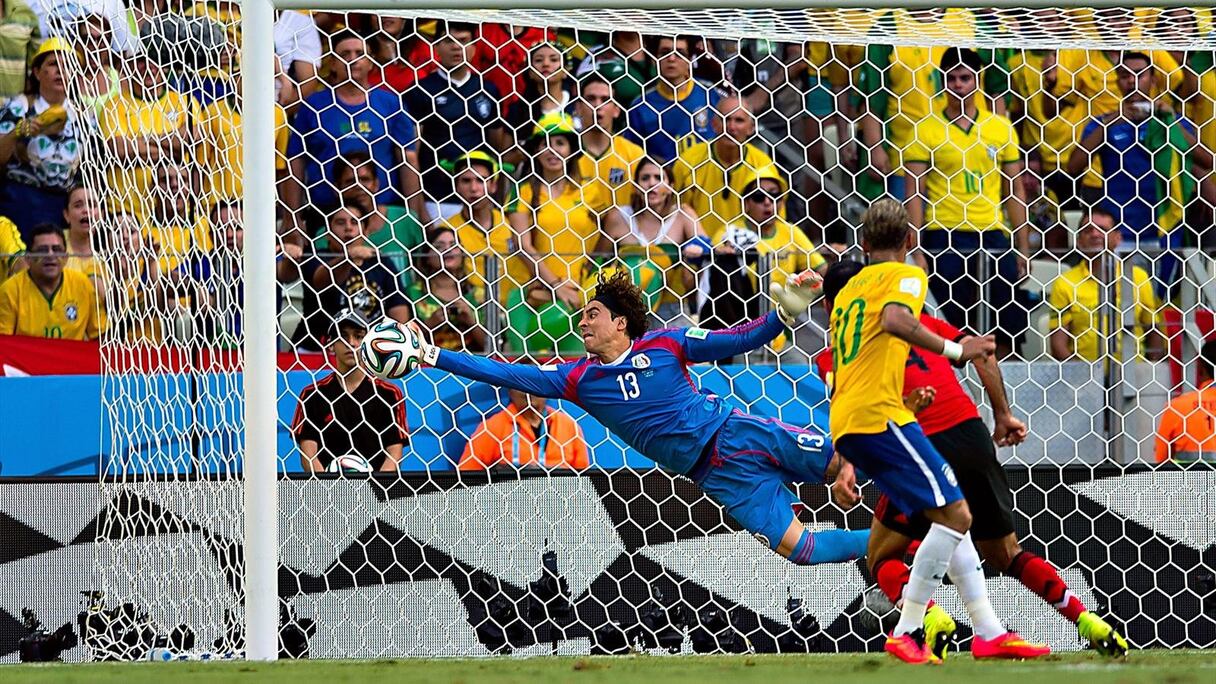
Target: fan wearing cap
[(761, 228), (637, 385), (548, 89), (553, 217), (347, 411), (481, 227), (38, 143)]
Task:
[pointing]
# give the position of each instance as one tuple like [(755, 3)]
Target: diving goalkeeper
[(637, 385)]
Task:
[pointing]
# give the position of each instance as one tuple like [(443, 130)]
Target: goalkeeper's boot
[(910, 648), (939, 631), (1101, 635), (1008, 645)]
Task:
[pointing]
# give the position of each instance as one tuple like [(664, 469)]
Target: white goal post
[(733, 18)]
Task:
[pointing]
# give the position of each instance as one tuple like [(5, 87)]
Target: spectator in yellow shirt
[(962, 169), (608, 160), (144, 126), (12, 248), (554, 219), (709, 176), (1076, 328), (48, 300)]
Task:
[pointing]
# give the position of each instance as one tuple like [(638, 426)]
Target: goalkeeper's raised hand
[(428, 351), (794, 296)]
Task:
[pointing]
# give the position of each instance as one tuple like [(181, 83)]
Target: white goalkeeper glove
[(426, 350), (794, 297)]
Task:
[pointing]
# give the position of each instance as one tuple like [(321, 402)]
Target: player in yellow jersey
[(48, 300), (875, 319), (608, 160)]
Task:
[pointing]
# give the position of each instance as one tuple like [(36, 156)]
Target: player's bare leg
[(1006, 555)]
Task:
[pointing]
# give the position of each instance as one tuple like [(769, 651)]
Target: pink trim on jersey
[(660, 341), (742, 328), (572, 379)]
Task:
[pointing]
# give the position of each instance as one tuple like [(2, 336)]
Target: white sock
[(928, 568), (968, 577)]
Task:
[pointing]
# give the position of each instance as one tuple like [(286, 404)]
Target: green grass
[(1170, 667)]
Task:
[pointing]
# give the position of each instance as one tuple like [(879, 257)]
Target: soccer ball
[(350, 463), (390, 350)]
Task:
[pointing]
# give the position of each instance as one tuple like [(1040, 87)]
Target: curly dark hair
[(626, 299)]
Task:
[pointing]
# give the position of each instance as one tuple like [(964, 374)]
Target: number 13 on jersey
[(629, 386)]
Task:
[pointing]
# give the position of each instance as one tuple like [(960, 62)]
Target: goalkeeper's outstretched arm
[(702, 345), (542, 381)]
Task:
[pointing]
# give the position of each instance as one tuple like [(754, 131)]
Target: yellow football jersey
[(129, 184), (70, 313), (964, 184), (494, 245), (867, 363), (714, 192), (612, 172), (565, 228), (221, 154)]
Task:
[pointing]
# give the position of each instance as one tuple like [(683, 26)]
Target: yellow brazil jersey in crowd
[(714, 192), (964, 184), (1054, 136), (221, 155), (482, 246), (612, 172), (1075, 307), (11, 248), (911, 75), (129, 184), (70, 313), (564, 228), (867, 363)]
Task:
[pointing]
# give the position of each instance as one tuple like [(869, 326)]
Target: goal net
[(474, 171)]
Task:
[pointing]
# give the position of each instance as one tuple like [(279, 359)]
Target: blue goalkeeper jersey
[(646, 397)]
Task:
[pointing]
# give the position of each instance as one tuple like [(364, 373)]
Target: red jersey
[(502, 58), (952, 405)]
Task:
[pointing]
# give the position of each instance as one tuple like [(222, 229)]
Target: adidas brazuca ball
[(390, 350)]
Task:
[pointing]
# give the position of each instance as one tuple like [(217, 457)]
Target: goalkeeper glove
[(795, 296), (428, 351)]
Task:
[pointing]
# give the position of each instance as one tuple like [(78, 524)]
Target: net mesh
[(485, 208)]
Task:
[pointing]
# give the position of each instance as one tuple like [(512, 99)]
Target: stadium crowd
[(476, 177)]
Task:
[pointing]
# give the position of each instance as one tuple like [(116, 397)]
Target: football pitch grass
[(1173, 667)]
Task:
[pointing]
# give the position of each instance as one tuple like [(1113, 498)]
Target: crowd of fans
[(476, 177)]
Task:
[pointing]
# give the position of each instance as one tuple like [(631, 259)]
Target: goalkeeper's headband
[(611, 303)]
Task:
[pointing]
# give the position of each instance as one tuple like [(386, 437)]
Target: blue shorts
[(904, 465), (751, 465)]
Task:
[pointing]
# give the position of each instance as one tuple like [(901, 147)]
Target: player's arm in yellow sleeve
[(901, 308), (1059, 320)]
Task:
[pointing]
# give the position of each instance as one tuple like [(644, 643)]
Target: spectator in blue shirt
[(675, 106), (1148, 160), (212, 281), (351, 116), (457, 112)]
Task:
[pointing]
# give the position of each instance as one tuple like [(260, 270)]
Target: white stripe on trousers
[(924, 467)]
